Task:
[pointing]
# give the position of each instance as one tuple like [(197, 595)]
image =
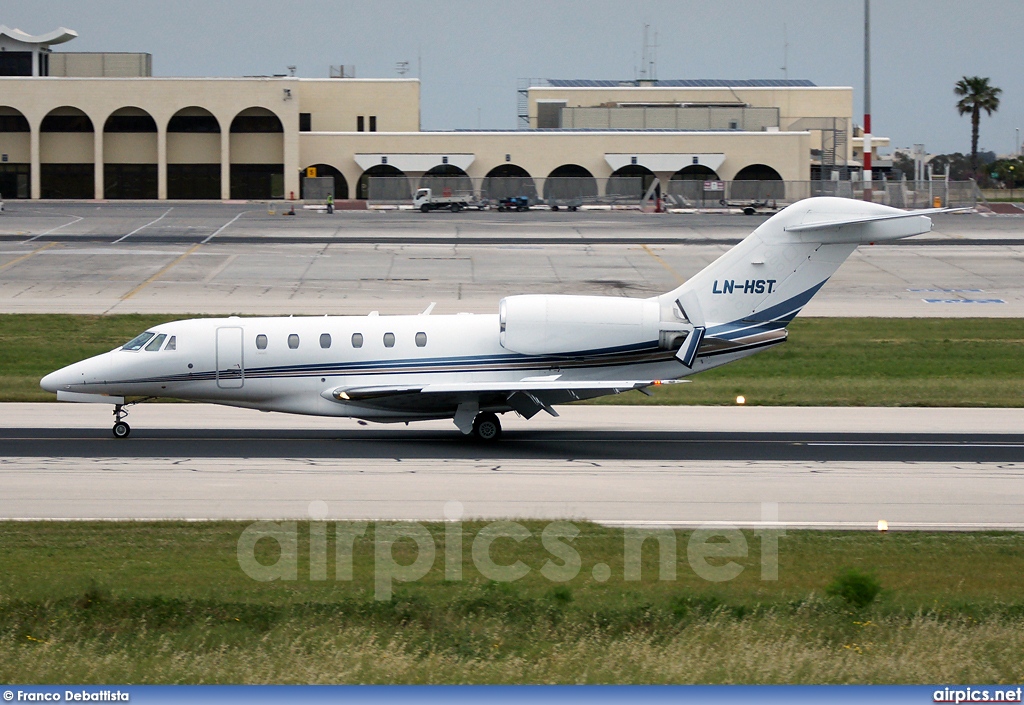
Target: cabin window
[(357, 340), (172, 344), (261, 342), (421, 340), (389, 340), (138, 341), (155, 344), (325, 340), (293, 341)]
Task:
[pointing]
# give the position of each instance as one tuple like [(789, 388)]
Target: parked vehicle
[(426, 200), (753, 207), (514, 203)]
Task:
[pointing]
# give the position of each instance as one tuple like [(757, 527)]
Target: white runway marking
[(223, 227), (53, 230), (125, 237)]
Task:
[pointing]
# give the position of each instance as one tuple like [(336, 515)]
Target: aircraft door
[(230, 363)]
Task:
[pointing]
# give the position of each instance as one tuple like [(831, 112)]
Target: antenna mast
[(785, 51), (648, 57)]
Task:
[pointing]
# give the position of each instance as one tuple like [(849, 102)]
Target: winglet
[(688, 352)]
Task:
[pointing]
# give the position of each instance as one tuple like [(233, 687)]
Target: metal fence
[(629, 191)]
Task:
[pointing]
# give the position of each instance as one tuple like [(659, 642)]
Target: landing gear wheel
[(486, 427), (121, 429)]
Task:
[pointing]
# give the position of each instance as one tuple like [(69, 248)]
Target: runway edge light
[(883, 525)]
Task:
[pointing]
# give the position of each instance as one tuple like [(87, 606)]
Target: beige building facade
[(137, 136)]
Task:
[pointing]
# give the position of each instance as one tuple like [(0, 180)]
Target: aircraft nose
[(55, 380), (89, 371), (58, 379)]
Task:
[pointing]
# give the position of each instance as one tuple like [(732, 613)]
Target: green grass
[(167, 602), (827, 361)]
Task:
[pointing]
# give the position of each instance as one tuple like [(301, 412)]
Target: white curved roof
[(57, 36)]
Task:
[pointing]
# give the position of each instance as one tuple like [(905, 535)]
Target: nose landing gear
[(121, 429)]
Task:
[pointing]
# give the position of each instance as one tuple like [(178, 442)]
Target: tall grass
[(810, 645)]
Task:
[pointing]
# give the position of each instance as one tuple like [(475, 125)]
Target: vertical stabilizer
[(763, 282)]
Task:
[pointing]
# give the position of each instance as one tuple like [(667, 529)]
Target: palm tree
[(977, 95)]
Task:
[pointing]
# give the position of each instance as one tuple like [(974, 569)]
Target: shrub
[(857, 588)]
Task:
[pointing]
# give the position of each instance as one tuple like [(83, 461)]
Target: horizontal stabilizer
[(829, 224)]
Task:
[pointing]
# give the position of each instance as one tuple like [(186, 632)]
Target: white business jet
[(536, 352)]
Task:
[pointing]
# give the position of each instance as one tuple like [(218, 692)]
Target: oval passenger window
[(293, 341), (357, 340), (261, 342), (325, 340), (421, 340), (389, 340)]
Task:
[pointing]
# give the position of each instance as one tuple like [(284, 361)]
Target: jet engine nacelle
[(551, 324)]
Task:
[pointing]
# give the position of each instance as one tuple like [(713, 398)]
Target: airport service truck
[(449, 199)]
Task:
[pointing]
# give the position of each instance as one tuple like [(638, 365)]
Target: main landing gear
[(486, 427)]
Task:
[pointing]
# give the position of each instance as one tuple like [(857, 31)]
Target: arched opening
[(569, 182), (257, 155), (193, 155), (66, 155), (15, 143), (129, 154), (319, 189), (695, 172), (446, 178), (509, 181), (383, 182), (757, 182), (630, 182), (688, 184)]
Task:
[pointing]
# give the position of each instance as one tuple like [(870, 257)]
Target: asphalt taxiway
[(820, 468)]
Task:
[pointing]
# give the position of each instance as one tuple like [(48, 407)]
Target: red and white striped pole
[(867, 100)]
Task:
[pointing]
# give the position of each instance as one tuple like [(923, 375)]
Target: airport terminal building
[(100, 126)]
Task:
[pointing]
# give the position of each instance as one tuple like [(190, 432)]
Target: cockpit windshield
[(137, 342)]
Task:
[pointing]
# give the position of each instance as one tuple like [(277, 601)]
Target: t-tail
[(748, 296)]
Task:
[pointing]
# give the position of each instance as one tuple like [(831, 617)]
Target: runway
[(836, 468), (820, 468)]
